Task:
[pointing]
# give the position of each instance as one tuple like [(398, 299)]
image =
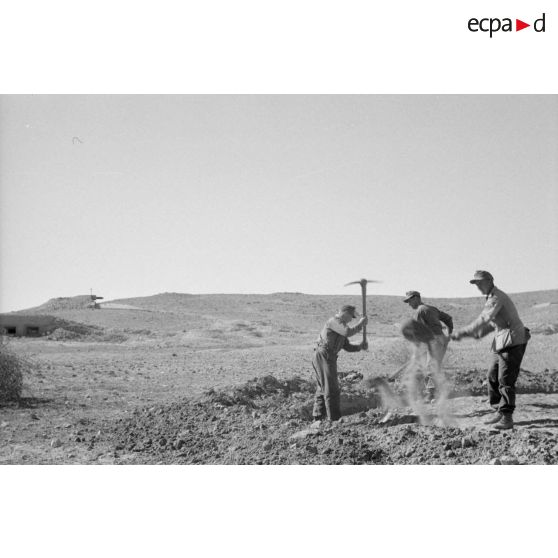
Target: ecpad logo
[(492, 25)]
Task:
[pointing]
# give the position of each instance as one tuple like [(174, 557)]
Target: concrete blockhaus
[(20, 325)]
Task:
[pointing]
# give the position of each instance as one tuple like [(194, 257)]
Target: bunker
[(27, 325)]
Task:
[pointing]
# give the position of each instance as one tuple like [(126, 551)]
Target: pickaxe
[(362, 284)]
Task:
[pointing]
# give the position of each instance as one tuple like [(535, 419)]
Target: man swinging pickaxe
[(362, 284)]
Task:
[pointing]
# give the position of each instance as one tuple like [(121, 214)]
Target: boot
[(505, 423), (430, 395), (497, 417)]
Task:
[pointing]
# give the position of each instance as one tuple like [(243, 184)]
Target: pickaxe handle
[(362, 284), (364, 311)]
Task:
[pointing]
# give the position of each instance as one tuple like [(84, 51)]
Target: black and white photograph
[(278, 278), (267, 279)]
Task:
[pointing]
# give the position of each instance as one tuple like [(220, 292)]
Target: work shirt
[(432, 318), (334, 337), (499, 313)]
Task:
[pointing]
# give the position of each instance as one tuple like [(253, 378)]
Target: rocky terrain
[(267, 421), (227, 379)]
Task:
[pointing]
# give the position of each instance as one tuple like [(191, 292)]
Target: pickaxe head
[(362, 282)]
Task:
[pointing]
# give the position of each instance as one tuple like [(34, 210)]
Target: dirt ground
[(92, 403), (240, 391)]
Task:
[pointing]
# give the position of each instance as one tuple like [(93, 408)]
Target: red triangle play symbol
[(519, 25)]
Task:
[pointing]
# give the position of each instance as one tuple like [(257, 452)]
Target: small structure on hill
[(93, 304)]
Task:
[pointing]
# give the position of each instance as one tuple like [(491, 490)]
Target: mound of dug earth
[(229, 426), (67, 330), (267, 421), (74, 331), (473, 382)]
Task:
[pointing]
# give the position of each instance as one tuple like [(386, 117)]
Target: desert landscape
[(227, 379)]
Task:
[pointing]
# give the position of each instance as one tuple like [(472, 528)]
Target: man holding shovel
[(333, 337), (429, 355)]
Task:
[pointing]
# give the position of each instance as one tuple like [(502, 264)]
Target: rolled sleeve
[(352, 330), (343, 330)]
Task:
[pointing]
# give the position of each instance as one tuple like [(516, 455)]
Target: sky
[(133, 195)]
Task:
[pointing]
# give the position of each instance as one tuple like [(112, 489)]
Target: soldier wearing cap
[(333, 337), (508, 347), (431, 354)]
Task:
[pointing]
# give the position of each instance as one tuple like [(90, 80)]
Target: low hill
[(303, 308), (58, 304), (275, 316)]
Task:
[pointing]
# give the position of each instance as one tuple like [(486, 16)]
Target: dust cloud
[(422, 372)]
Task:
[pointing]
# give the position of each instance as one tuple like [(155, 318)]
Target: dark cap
[(480, 275), (349, 308), (410, 294)]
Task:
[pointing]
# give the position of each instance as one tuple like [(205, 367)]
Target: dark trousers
[(502, 375), (327, 398)]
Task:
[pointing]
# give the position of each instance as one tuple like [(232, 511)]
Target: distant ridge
[(381, 305), (279, 315)]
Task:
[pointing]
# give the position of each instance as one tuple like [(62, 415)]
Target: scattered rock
[(56, 443), (509, 460), (386, 417), (244, 434), (178, 443), (302, 434), (495, 461)]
